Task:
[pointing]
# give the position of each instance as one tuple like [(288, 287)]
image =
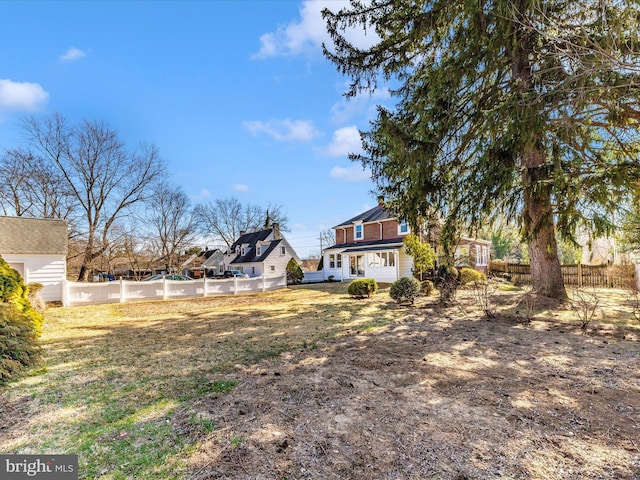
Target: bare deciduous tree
[(224, 219), (172, 221), (103, 176), (31, 187)]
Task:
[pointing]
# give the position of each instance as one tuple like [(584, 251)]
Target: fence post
[(121, 290), (65, 292), (235, 285), (164, 288), (579, 274), (264, 282)]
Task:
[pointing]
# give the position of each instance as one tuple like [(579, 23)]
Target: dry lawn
[(307, 383)]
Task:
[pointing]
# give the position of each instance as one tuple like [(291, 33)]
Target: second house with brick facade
[(371, 245)]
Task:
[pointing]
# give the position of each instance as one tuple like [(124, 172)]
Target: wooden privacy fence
[(74, 293), (613, 276)]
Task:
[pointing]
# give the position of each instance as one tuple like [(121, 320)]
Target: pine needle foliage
[(528, 108)]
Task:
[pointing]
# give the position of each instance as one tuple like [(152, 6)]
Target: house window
[(258, 251), (339, 261), (403, 228), (283, 250), (358, 231), (382, 259), (273, 268), (332, 261), (237, 250), (253, 271), (482, 255), (240, 269), (244, 251)]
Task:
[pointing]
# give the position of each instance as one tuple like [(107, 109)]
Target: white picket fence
[(75, 293)]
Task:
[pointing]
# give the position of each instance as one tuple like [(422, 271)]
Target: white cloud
[(239, 187), (21, 96), (201, 195), (347, 108), (345, 141), (72, 54), (284, 130), (309, 32), (352, 174)]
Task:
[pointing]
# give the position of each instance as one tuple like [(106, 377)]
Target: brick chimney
[(276, 231), (380, 201)]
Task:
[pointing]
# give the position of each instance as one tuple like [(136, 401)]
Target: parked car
[(168, 276), (233, 273)]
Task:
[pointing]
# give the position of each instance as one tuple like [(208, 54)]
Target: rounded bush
[(426, 287), (446, 274), (362, 287), (406, 289), (468, 275), (447, 282)]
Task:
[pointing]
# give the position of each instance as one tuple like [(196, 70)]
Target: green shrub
[(294, 272), (426, 287), (405, 289), (362, 287), (20, 324), (468, 275), (447, 282)]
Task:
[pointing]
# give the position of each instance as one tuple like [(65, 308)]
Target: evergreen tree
[(529, 108)]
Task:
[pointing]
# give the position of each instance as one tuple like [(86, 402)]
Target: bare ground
[(437, 394)]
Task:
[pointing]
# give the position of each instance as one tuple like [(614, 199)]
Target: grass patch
[(505, 287), (118, 378), (123, 382)]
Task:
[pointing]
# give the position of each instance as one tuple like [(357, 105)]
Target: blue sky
[(236, 95)]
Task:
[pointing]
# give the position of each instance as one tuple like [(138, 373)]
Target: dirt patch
[(437, 394)]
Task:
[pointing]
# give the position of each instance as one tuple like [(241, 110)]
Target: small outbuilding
[(37, 249)]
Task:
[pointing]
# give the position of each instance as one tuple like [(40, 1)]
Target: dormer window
[(237, 250), (258, 250), (403, 228), (244, 251), (358, 231)]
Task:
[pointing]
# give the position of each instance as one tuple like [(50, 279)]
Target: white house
[(371, 245), (265, 252), (37, 249)]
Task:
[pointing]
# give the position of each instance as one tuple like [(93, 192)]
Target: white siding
[(405, 264), (278, 261), (49, 270), (251, 269), (338, 273)]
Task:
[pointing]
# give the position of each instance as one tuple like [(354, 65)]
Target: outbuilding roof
[(33, 236)]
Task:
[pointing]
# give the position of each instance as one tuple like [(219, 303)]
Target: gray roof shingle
[(22, 235), (376, 214)]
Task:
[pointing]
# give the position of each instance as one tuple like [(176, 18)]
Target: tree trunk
[(83, 276), (546, 274)]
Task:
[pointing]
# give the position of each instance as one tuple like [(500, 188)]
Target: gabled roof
[(33, 236), (251, 238), (250, 254), (376, 214)]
